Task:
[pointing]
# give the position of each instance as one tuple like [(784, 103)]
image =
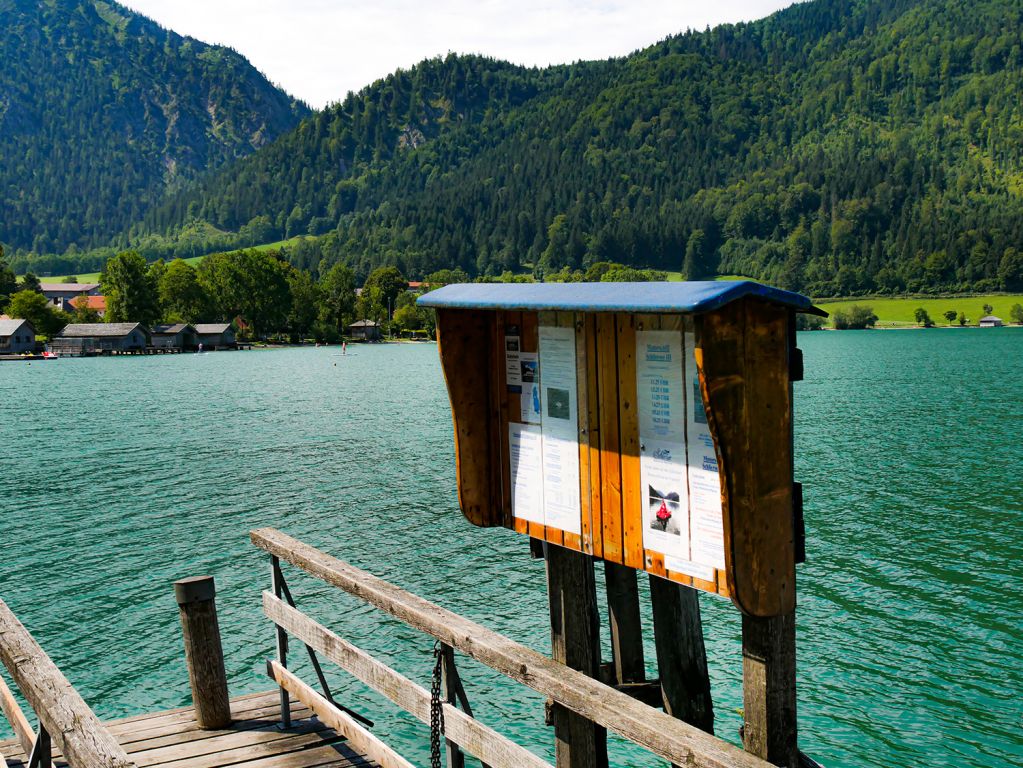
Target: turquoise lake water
[(118, 476)]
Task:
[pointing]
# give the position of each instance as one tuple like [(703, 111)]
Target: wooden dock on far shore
[(254, 739)]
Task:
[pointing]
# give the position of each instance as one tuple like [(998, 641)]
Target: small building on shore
[(215, 336), (364, 330), (80, 339), (60, 295), (16, 337), (174, 336), (990, 321)]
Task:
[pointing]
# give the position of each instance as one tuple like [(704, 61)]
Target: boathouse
[(215, 336), (16, 336), (364, 330), (60, 295), (178, 336), (100, 338), (990, 321)]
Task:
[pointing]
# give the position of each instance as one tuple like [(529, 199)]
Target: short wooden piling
[(769, 688), (575, 642), (626, 629), (204, 654), (681, 655)]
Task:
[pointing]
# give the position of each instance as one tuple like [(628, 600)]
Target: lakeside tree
[(962, 319), (338, 297), (988, 309), (249, 284), (390, 282), (922, 317), (1016, 314), (305, 304), (855, 318), (33, 306), (182, 297), (8, 281), (29, 282), (950, 315), (132, 295)]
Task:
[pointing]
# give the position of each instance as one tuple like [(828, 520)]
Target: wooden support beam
[(16, 717), (475, 738), (204, 653), (681, 655), (361, 740), (575, 642), (769, 688), (626, 629), (79, 734), (666, 737)]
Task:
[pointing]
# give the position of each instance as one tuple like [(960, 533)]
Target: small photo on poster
[(664, 511), (558, 403), (699, 412), (529, 367)]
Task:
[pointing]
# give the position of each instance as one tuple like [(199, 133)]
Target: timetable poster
[(525, 448), (660, 382), (559, 420), (707, 540)]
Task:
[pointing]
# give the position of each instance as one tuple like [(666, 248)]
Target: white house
[(990, 321)]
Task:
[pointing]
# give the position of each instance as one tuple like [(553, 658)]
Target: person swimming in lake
[(344, 347)]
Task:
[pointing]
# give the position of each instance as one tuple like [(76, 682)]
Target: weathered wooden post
[(648, 426), (204, 654), (575, 642)]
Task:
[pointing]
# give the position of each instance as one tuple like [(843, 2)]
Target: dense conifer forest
[(102, 112), (837, 147)]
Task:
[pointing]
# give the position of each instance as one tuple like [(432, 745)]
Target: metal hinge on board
[(798, 524), (795, 364)]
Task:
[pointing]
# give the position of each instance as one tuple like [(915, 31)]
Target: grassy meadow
[(897, 312)]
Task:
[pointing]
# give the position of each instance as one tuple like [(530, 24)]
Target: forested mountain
[(102, 112), (836, 147)]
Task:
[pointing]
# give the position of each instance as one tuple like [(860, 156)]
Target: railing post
[(449, 684), (277, 579), (42, 750), (204, 654)]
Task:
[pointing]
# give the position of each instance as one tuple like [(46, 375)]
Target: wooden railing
[(64, 718), (663, 735)]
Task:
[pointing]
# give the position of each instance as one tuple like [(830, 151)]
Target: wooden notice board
[(649, 429)]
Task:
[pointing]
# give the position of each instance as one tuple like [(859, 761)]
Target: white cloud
[(320, 49)]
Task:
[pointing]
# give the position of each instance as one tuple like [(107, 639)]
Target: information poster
[(559, 421), (525, 447), (529, 387), (512, 348), (706, 525), (660, 384)]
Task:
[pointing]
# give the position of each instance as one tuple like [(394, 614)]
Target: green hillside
[(838, 147), (102, 112)]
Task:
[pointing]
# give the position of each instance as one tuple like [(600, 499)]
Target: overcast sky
[(318, 50)]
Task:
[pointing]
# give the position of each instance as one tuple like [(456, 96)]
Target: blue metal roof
[(685, 297)]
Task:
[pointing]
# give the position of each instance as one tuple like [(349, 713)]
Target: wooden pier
[(254, 739)]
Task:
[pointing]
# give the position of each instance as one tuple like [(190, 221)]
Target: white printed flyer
[(525, 448), (660, 387), (559, 418)]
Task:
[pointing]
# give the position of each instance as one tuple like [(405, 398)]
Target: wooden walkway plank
[(172, 739)]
